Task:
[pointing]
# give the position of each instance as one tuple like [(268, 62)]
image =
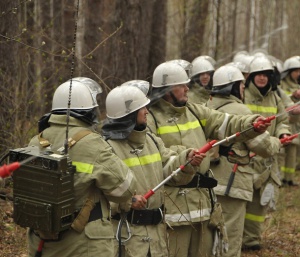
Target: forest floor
[(280, 238)]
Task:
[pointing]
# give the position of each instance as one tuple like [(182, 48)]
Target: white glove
[(268, 196), (220, 246)]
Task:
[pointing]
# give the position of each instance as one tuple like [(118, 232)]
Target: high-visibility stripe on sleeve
[(179, 127), (253, 217), (143, 160), (84, 167), (123, 187), (262, 109)]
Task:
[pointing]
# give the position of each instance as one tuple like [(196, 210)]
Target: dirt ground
[(281, 236)]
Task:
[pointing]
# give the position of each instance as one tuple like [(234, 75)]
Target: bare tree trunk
[(218, 33), (79, 48), (195, 30)]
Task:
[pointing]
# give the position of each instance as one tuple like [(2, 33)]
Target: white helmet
[(240, 65), (227, 74), (143, 85), (169, 74), (124, 100), (184, 64), (291, 63), (84, 93), (201, 65), (261, 63), (240, 55)]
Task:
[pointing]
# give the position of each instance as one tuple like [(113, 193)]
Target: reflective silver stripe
[(222, 129), (121, 189), (169, 161), (188, 216)]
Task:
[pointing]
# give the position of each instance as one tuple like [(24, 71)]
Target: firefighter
[(150, 161), (261, 98), (201, 80), (227, 96), (181, 124), (100, 175), (290, 85)]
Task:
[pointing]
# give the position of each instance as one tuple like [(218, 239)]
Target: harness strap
[(71, 140)]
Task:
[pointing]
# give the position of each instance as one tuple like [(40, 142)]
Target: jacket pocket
[(99, 229)]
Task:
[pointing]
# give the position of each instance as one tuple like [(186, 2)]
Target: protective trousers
[(190, 241), (145, 241), (254, 219), (234, 211), (288, 167), (74, 244)]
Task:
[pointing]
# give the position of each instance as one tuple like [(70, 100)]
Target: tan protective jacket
[(264, 145), (151, 162), (287, 87), (100, 172), (179, 128), (198, 94), (267, 105)]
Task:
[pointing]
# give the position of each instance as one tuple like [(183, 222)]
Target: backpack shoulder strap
[(71, 140)]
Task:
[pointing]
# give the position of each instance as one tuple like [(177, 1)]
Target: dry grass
[(281, 236)]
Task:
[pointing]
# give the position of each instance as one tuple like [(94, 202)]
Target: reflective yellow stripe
[(203, 122), (287, 170), (84, 167), (254, 217), (137, 161), (179, 127), (262, 109), (288, 92)]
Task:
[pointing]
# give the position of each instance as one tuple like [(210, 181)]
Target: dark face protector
[(236, 90), (119, 128), (89, 116), (157, 93), (222, 90), (277, 76)]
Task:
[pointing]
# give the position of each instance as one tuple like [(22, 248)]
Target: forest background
[(121, 40)]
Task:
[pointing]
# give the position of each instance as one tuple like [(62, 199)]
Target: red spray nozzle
[(206, 147), (266, 120), (6, 170), (288, 138)]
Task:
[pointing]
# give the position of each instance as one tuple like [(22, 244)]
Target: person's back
[(100, 175)]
